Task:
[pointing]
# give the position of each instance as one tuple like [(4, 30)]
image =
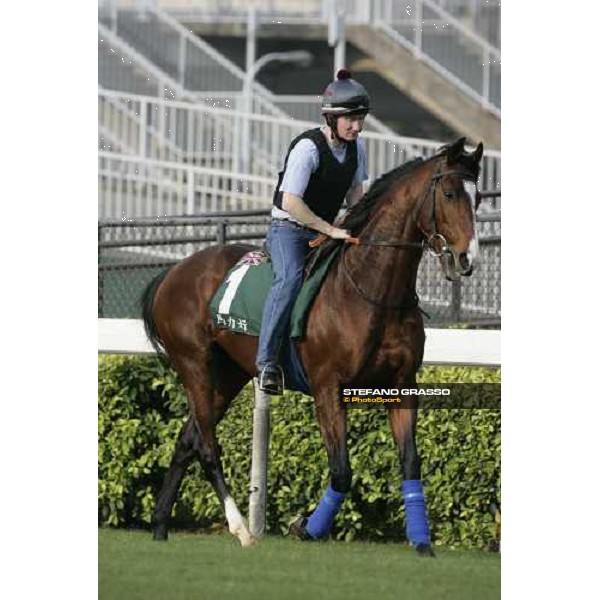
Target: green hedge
[(142, 407)]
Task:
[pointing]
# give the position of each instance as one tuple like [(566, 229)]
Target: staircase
[(198, 68), (427, 86), (432, 51)]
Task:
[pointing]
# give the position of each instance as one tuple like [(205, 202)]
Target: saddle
[(238, 303)]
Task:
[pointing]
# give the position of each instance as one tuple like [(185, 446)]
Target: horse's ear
[(478, 153), (456, 150)]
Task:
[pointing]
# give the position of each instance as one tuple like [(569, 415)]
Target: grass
[(132, 566)]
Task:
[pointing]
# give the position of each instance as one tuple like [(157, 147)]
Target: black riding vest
[(329, 184)]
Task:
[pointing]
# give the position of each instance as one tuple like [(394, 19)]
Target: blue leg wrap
[(320, 522), (417, 523)]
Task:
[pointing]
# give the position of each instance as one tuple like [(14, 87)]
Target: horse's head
[(447, 212)]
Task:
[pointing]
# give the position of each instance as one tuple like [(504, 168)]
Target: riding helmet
[(345, 96)]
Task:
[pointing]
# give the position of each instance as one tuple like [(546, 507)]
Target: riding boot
[(270, 380)]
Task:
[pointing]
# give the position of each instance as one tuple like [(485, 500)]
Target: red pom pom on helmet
[(343, 74)]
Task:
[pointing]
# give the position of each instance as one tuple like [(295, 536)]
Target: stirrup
[(271, 380)]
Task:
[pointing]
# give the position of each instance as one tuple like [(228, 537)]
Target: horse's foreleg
[(332, 419), (403, 422), (183, 454)]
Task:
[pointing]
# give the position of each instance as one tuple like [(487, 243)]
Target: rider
[(322, 167)]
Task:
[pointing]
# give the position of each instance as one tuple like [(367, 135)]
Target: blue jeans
[(288, 246)]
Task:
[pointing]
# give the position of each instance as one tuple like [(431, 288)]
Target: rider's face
[(350, 126)]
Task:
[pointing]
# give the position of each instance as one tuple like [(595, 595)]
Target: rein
[(427, 242), (414, 303)]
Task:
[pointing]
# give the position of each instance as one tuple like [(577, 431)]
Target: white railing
[(481, 16), (198, 72), (127, 124), (443, 346), (189, 63), (235, 11), (433, 34), (166, 86), (446, 45), (308, 108), (170, 130), (122, 68), (209, 137), (130, 186), (108, 142)]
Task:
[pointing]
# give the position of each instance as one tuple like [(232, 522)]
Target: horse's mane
[(359, 214)]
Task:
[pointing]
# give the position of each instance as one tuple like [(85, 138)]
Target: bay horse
[(367, 308)]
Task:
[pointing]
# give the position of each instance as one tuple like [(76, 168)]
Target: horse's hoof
[(248, 541), (161, 533), (425, 550), (298, 529), (245, 538)]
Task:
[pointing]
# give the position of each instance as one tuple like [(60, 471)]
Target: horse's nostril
[(466, 266), (463, 259)]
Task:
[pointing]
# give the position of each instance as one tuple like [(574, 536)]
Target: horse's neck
[(388, 272)]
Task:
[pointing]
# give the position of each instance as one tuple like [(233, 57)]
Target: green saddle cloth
[(238, 303)]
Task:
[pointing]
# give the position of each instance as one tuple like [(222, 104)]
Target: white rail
[(308, 108), (464, 347), (123, 68), (435, 37), (130, 186), (209, 136), (196, 68), (167, 84), (445, 42)]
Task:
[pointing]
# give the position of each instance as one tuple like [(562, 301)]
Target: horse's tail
[(147, 306)]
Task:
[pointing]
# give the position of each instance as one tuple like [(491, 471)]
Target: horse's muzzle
[(466, 266), (456, 266)]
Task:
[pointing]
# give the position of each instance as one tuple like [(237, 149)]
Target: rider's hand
[(338, 234)]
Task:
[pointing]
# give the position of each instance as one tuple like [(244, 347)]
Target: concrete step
[(426, 87)]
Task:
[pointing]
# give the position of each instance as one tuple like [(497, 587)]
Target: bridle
[(428, 240)]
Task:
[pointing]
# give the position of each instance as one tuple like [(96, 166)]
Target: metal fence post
[(100, 277), (190, 200), (143, 127), (222, 232), (261, 430), (455, 311), (181, 60), (487, 66)]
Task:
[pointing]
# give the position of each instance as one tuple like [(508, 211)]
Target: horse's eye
[(449, 195)]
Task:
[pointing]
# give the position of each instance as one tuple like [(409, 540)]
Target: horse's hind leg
[(403, 422), (211, 382), (183, 455)]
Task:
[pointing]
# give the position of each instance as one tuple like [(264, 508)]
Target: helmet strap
[(331, 121)]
